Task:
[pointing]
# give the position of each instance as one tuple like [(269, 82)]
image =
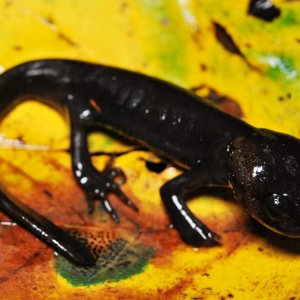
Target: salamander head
[(264, 171)]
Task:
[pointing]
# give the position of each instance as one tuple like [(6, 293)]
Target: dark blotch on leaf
[(263, 9), (224, 102), (48, 194), (17, 48), (156, 167), (225, 39)]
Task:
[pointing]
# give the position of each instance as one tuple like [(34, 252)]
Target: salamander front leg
[(191, 230), (96, 185)]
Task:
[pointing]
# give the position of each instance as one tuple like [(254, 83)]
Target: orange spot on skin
[(95, 105)]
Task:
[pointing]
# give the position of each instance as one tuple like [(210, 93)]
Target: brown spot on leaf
[(196, 37), (49, 21), (165, 21), (66, 39), (224, 102), (18, 48), (177, 289), (285, 97), (8, 3), (203, 67), (225, 39), (48, 194), (124, 6)]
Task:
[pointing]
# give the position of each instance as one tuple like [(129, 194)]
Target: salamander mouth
[(289, 229), (291, 232), (281, 211)]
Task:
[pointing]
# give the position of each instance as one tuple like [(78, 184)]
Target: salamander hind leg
[(96, 185), (191, 230)]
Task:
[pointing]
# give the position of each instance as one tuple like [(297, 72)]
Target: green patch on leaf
[(280, 68), (168, 37), (289, 18), (118, 261)]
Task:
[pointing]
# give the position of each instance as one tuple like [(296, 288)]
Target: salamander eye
[(278, 207)]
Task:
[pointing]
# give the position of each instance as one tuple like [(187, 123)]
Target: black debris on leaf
[(156, 167), (263, 9), (224, 38)]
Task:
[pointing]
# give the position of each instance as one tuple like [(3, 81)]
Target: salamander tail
[(46, 231)]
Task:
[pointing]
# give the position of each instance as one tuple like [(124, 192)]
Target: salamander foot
[(198, 234), (98, 185)]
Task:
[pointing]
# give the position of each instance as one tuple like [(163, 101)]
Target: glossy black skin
[(212, 147)]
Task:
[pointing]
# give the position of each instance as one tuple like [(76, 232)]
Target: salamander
[(261, 166)]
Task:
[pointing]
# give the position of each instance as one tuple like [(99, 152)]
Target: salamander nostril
[(279, 207)]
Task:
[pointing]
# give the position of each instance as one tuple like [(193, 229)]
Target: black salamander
[(213, 148)]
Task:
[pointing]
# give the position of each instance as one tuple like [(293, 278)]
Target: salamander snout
[(284, 211), (264, 171)]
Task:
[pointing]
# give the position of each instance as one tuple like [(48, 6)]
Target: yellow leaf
[(176, 41)]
